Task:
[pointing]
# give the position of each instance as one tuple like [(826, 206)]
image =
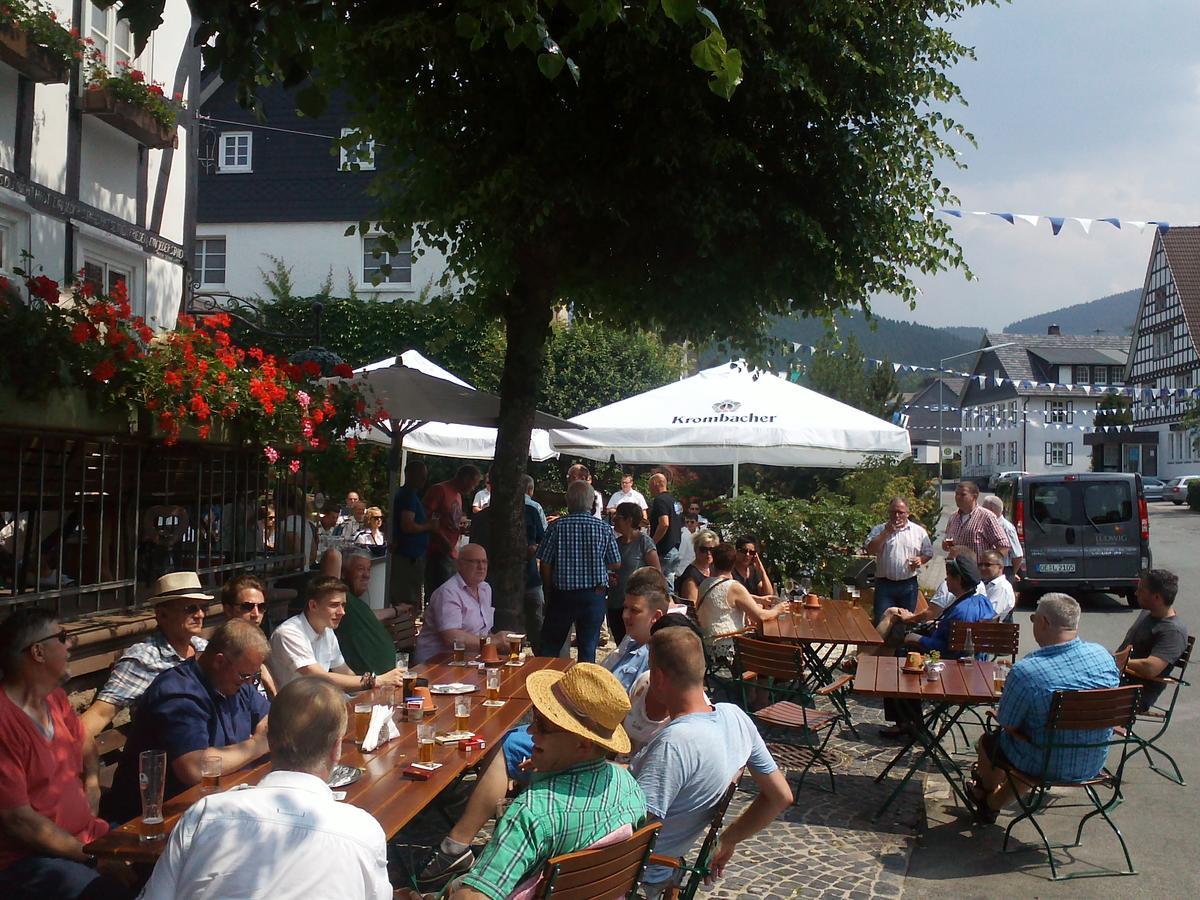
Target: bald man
[(459, 610)]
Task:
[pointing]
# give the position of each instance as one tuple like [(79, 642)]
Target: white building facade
[(82, 195)]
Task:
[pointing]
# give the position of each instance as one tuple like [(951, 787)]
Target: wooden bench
[(401, 624)]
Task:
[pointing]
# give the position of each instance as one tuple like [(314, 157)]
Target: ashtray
[(343, 775)]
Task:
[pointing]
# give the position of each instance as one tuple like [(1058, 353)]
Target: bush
[(799, 538), (1194, 495), (872, 486)]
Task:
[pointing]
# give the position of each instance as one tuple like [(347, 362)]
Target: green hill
[(1114, 314), (890, 339)]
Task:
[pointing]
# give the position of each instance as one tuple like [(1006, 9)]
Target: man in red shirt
[(444, 500), (973, 526), (49, 772)]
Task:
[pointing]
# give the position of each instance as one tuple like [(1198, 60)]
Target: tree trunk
[(527, 329)]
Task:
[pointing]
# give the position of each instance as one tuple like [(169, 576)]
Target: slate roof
[(1182, 246), (1027, 358)]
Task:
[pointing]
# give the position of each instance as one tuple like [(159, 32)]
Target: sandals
[(978, 796)]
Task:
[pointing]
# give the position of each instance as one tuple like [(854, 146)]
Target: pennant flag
[(1085, 224), (1115, 223), (1032, 220), (1007, 217), (1056, 223)]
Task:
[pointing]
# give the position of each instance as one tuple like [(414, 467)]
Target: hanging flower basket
[(30, 59), (133, 120)]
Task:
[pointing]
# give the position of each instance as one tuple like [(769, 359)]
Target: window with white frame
[(1162, 344), (375, 257), (1060, 412), (236, 152), (210, 260), (1081, 375), (1012, 411), (105, 275), (6, 236), (111, 35), (360, 156), (1100, 375), (1059, 453)]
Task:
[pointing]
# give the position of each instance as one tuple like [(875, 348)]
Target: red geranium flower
[(310, 368), (45, 289), (82, 331), (136, 75), (343, 370), (104, 370)]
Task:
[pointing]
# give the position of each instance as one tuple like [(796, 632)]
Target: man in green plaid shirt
[(576, 797)]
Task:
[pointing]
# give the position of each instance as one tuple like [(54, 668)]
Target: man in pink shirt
[(444, 500), (459, 610), (49, 772)]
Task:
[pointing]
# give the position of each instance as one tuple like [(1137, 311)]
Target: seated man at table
[(179, 605), (1062, 662), (245, 597), (207, 706), (453, 856), (365, 643), (287, 836), (49, 773), (575, 797), (1158, 638), (687, 767), (306, 644), (459, 610), (998, 588)]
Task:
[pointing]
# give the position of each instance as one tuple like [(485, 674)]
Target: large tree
[(603, 154)]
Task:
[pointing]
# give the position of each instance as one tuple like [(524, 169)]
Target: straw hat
[(587, 701), (177, 584)]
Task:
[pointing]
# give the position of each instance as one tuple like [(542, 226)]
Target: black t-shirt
[(664, 505), (1164, 638), (692, 574), (752, 583)]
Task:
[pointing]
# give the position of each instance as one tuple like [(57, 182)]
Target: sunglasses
[(748, 551), (250, 607), (542, 725), (62, 636), (700, 550)]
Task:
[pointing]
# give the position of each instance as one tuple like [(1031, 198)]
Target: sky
[(1087, 109)]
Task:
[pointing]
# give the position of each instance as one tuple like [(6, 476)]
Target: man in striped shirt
[(973, 526), (576, 555), (900, 547)]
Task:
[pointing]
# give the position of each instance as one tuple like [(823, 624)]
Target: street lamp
[(942, 392)]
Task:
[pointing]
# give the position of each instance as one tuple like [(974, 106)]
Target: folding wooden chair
[(694, 874), (603, 873), (777, 670), (1157, 718), (1074, 719), (719, 678), (992, 638)]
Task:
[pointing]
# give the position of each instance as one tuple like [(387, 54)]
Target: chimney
[(1053, 329)]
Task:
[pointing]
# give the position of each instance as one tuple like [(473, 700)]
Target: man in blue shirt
[(1062, 662), (206, 706), (576, 554), (410, 537)]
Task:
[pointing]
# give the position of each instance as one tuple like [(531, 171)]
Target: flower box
[(30, 59), (61, 410), (128, 118)]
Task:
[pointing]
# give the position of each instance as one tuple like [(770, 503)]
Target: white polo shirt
[(892, 560), (634, 496), (294, 644), (1001, 595)]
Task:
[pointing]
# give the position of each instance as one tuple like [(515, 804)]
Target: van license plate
[(1067, 568)]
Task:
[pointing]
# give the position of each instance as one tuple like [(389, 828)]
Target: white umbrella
[(438, 438), (729, 415)]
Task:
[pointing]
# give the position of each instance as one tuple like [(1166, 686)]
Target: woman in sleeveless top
[(723, 605)]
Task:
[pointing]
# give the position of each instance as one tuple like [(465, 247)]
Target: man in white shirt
[(579, 472), (306, 645), (998, 589), (626, 494), (900, 547), (286, 837), (1014, 559)]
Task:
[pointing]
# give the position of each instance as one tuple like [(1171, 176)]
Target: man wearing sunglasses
[(206, 706), (49, 773), (245, 597), (179, 606)]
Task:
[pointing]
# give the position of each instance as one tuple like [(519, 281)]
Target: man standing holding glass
[(900, 547)]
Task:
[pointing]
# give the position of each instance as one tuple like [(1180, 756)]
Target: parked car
[(1153, 487), (1177, 489), (999, 477), (1086, 532)]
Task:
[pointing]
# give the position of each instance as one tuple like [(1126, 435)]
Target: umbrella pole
[(396, 459), (735, 478)]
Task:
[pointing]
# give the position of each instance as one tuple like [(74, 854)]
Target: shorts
[(989, 743)]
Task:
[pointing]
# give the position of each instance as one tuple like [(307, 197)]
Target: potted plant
[(35, 44), (126, 100)]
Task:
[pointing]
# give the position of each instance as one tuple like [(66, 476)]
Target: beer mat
[(343, 775), (425, 767), (454, 687), (339, 795), (516, 664), (495, 704), (453, 737)]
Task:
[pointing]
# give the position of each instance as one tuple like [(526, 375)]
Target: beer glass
[(493, 685), (514, 647), (409, 682), (210, 773), (152, 778), (462, 713), (425, 743), (460, 653), (362, 721), (999, 676)]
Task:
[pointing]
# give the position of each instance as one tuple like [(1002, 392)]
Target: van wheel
[(1132, 600), (1177, 502)]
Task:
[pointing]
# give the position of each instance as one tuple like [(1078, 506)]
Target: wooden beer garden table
[(383, 791), (822, 633), (958, 687)]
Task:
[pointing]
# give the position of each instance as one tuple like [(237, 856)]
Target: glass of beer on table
[(462, 713), (493, 684), (362, 720), (152, 779), (409, 682), (210, 773), (425, 743), (460, 653), (999, 676), (514, 647)]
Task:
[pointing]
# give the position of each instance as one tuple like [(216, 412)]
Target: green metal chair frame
[(695, 873), (1159, 717), (1072, 712), (777, 670), (992, 638)]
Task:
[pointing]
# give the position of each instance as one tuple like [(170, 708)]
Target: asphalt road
[(956, 859)]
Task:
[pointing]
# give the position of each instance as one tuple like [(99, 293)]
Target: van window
[(1108, 502), (1051, 504)]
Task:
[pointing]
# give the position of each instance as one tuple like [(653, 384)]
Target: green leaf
[(680, 11), (573, 69), (550, 64), (725, 82), (706, 16), (351, 230), (709, 54), (311, 101), (466, 25)]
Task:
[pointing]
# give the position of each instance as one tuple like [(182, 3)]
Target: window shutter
[(1047, 422), (1070, 451), (1070, 412), (1049, 453)]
